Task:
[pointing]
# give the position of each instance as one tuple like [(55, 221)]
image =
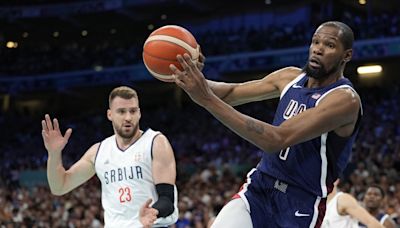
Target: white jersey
[(127, 181), (333, 219)]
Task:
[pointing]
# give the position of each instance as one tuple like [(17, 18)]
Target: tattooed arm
[(338, 112)]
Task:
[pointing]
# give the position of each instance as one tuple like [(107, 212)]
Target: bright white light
[(362, 2), (369, 69), (11, 44)]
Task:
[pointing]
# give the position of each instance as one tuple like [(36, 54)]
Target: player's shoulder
[(91, 153), (282, 76), (346, 200), (154, 133), (159, 137), (289, 72), (346, 95), (95, 146)]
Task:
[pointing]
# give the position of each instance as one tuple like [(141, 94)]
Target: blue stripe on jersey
[(315, 164)]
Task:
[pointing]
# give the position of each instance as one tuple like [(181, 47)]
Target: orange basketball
[(162, 46)]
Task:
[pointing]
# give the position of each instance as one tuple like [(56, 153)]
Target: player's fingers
[(202, 58), (178, 75), (193, 66), (44, 134), (68, 134), (44, 126), (148, 202), (183, 63), (181, 76), (48, 122), (56, 125), (200, 65), (174, 69), (179, 82), (189, 60)]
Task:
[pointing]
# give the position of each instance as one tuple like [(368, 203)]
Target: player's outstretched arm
[(62, 181), (164, 175), (256, 90), (338, 110), (347, 205)]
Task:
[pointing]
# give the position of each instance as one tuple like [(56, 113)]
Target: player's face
[(326, 53), (124, 115), (373, 198)]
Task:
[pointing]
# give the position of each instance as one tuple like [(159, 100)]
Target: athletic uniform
[(289, 188), (127, 181), (333, 219)]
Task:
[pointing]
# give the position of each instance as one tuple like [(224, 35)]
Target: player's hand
[(53, 140), (147, 214), (192, 80), (201, 60)]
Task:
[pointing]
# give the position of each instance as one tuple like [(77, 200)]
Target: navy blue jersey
[(315, 164)]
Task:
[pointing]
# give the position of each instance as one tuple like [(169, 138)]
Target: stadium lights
[(367, 70), (11, 44), (362, 2)]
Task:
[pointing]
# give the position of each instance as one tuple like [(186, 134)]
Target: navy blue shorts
[(273, 203)]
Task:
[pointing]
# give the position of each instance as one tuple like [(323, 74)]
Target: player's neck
[(373, 211), (317, 83), (124, 143)]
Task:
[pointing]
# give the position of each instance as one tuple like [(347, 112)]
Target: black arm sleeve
[(165, 202)]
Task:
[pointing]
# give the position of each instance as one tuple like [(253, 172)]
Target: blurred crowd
[(47, 55), (211, 161)]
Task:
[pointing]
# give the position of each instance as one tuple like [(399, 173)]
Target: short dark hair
[(124, 92), (378, 187), (346, 33)]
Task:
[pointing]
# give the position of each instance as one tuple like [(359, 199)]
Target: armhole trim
[(97, 152), (152, 143)]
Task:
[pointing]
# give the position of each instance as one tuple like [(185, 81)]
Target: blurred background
[(64, 57)]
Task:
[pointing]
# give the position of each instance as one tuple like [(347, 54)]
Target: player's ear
[(109, 115), (348, 54)]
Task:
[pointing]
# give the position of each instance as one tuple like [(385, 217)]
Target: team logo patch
[(138, 157), (316, 96)]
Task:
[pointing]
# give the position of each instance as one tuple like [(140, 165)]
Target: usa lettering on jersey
[(293, 108)]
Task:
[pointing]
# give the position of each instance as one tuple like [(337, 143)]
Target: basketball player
[(343, 211), (309, 142), (373, 200), (135, 167)]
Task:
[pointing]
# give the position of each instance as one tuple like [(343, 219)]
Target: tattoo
[(252, 126)]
